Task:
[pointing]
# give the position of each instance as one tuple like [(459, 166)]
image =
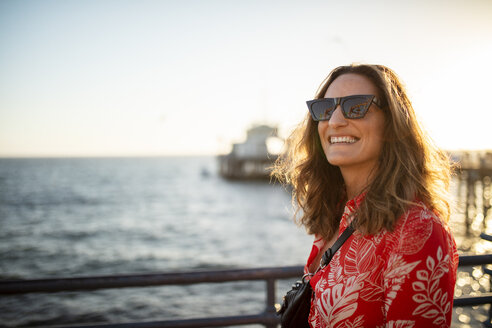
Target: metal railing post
[(488, 271), (270, 303)]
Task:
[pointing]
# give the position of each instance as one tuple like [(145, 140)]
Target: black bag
[(295, 308)]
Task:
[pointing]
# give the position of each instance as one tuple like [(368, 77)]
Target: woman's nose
[(337, 118)]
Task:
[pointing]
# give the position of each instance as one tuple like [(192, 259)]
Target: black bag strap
[(333, 249)]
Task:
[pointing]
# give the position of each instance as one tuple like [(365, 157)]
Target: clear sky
[(101, 77)]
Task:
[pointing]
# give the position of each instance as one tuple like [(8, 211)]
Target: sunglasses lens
[(356, 107), (323, 109)]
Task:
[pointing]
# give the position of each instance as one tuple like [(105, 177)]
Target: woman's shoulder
[(420, 227), (419, 215)]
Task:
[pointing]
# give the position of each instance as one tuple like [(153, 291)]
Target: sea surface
[(101, 216)]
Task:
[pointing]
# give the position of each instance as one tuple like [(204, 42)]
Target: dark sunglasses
[(353, 107)]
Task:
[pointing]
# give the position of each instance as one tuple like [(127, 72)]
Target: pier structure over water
[(474, 186), (251, 159)]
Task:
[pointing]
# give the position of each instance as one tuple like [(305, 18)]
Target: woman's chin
[(338, 160)]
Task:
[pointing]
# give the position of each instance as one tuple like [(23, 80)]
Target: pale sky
[(109, 78)]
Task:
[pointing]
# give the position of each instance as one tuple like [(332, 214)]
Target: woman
[(361, 158)]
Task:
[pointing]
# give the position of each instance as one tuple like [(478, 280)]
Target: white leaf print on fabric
[(361, 258), (338, 303), (413, 231), (434, 303), (400, 324), (335, 275), (357, 323), (395, 275)]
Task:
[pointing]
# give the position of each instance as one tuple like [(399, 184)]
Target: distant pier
[(474, 185), (251, 159)]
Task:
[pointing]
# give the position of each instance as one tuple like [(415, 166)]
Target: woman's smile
[(347, 140)]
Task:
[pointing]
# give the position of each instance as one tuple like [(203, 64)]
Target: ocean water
[(103, 216)]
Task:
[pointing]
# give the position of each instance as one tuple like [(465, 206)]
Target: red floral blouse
[(403, 278)]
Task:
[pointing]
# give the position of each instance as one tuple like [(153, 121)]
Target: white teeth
[(349, 140)]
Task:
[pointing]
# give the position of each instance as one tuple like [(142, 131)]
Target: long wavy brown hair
[(411, 168)]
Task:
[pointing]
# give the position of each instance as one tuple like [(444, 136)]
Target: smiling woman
[(362, 146)]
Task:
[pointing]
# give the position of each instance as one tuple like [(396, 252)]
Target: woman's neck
[(356, 181)]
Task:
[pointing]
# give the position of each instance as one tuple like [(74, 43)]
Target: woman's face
[(353, 143)]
